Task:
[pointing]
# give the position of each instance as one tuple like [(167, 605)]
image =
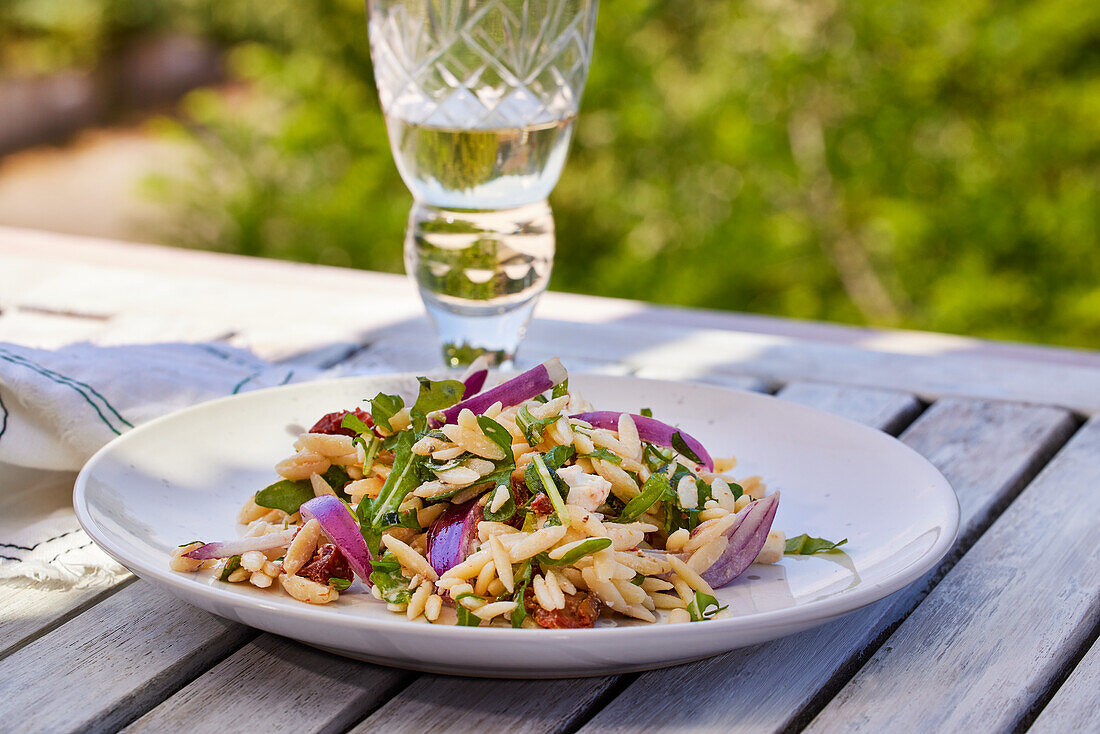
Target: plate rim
[(809, 614)]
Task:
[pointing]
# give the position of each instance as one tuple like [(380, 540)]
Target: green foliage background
[(931, 164)]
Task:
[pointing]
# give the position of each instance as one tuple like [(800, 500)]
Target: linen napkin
[(59, 407)]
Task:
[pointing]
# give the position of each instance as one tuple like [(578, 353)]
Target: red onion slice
[(227, 548), (452, 535), (746, 539), (534, 381), (342, 529), (474, 377), (649, 430)]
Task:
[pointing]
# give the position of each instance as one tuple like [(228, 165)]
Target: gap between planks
[(276, 685), (973, 648), (1071, 703)]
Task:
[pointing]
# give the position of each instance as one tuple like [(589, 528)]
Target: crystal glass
[(480, 97)]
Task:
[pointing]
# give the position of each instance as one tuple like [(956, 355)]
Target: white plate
[(183, 477)]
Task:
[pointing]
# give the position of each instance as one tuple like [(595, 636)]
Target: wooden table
[(1001, 637)]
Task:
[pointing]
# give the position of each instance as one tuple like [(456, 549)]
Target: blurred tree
[(932, 165)]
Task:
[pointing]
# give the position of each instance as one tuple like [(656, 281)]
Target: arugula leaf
[(652, 491), (737, 490), (285, 495), (638, 579), (532, 427), (400, 519), (436, 467), (700, 607), (383, 407), (506, 510), (370, 451), (677, 517), (231, 565), (521, 581), (681, 447), (702, 489), (498, 435), (550, 486), (386, 575), (680, 472), (556, 457), (466, 618), (352, 421), (645, 413), (560, 390), (434, 395), (337, 478), (288, 496), (587, 548), (339, 584), (655, 458), (602, 453), (804, 545), (402, 480)]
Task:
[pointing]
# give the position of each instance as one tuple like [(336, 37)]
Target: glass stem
[(480, 273)]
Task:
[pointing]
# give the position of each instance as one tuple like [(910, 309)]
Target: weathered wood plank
[(962, 435), (277, 309), (113, 662), (435, 703), (33, 247), (276, 684), (423, 355), (729, 380), (986, 450), (29, 608), (691, 353), (262, 301), (887, 410), (997, 631), (1074, 707), (52, 330), (929, 376)]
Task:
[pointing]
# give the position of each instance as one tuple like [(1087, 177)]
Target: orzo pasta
[(518, 506)]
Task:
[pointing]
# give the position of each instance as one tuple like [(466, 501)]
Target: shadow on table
[(687, 346)]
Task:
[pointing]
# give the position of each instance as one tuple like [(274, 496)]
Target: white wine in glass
[(480, 100)]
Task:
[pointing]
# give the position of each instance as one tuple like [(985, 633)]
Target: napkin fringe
[(58, 576)]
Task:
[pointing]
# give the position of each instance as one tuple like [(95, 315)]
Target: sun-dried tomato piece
[(520, 494), (581, 610), (519, 491), (327, 563), (542, 504), (330, 423)]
